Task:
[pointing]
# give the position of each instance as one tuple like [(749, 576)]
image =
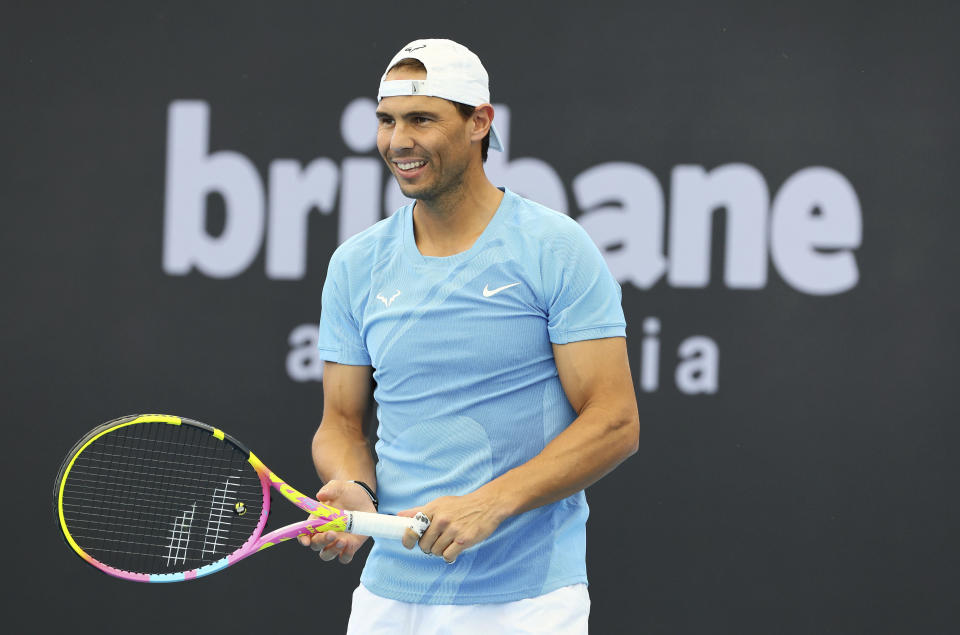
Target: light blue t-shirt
[(467, 385)]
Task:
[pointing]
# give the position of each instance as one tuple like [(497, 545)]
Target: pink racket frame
[(323, 517)]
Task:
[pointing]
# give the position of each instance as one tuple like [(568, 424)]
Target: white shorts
[(561, 612)]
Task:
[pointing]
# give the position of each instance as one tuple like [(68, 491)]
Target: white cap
[(453, 72)]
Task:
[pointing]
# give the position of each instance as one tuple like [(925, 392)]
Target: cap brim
[(495, 143)]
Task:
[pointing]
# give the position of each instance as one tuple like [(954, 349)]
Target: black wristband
[(373, 497)]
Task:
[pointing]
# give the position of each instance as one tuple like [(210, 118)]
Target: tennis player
[(496, 338)]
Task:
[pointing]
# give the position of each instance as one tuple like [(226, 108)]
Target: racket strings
[(160, 498), (115, 460), (80, 515), (89, 481), (123, 546)]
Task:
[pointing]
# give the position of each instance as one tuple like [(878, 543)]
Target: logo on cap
[(409, 50)]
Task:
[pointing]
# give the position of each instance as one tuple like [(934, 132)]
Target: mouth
[(409, 168)]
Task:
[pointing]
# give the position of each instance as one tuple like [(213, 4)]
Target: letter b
[(192, 174)]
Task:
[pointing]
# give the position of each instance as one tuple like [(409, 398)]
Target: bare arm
[(595, 375), (340, 450), (341, 454)]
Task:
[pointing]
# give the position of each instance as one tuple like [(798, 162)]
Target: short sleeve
[(583, 298), (339, 340)]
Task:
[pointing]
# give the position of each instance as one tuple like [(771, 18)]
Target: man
[(495, 335)]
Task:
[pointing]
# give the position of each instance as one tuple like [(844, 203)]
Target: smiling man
[(495, 335)]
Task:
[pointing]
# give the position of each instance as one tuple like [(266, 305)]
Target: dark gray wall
[(805, 482)]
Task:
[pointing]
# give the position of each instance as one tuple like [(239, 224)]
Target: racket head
[(159, 498)]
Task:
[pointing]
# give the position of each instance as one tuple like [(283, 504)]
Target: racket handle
[(385, 525)]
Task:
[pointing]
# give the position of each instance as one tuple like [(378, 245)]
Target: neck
[(451, 223)]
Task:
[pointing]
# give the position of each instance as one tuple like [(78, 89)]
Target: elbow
[(626, 427), (632, 435), (620, 429)]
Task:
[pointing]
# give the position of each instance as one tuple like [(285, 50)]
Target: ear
[(482, 120)]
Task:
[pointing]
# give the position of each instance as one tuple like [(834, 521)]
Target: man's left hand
[(456, 523)]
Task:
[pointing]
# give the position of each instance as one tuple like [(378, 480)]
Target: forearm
[(595, 375), (341, 452), (589, 448)]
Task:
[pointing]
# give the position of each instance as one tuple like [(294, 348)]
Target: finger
[(322, 540), (329, 491), (343, 549), (441, 545), (451, 553), (428, 538), (334, 548), (329, 554), (410, 538), (346, 555)]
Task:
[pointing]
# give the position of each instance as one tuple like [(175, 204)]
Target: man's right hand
[(336, 544)]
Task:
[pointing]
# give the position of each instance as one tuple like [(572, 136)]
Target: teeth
[(411, 165)]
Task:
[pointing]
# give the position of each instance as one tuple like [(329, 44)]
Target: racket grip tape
[(385, 525)]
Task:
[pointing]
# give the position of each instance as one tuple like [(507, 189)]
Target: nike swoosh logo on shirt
[(488, 292)]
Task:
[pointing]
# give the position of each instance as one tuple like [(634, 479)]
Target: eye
[(420, 120)]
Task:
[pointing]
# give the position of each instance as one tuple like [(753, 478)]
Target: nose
[(401, 139)]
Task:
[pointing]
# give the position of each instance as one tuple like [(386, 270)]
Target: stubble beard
[(440, 189)]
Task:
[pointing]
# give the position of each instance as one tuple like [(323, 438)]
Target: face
[(424, 140)]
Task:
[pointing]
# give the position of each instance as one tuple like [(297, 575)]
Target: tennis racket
[(157, 498)]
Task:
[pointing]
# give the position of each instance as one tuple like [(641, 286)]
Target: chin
[(419, 193)]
